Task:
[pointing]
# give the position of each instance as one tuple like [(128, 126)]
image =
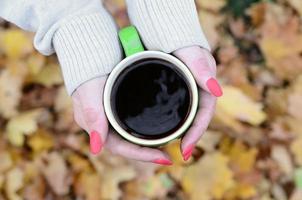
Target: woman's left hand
[(203, 67)]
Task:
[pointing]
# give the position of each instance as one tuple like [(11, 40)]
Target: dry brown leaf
[(296, 4), (10, 96), (281, 42), (209, 140), (55, 171), (210, 23), (112, 170), (282, 157), (88, 186), (296, 149)]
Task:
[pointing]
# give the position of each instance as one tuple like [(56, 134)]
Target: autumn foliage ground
[(252, 150)]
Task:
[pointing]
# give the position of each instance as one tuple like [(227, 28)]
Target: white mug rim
[(128, 61)]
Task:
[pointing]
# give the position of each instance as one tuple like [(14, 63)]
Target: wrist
[(87, 47)]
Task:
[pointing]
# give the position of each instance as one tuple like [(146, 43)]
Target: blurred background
[(252, 150)]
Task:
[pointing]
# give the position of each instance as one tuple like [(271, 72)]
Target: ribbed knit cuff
[(167, 25), (87, 47)]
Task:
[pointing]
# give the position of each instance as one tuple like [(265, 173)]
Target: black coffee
[(151, 99)]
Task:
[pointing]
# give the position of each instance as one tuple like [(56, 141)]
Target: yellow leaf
[(78, 163), (208, 179), (40, 141), (35, 63), (50, 75), (14, 182), (1, 181), (234, 104), (10, 93), (88, 186), (15, 43), (5, 161), (23, 124), (214, 5), (173, 150), (296, 149), (241, 157)]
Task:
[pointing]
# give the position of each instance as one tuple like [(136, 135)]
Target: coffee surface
[(150, 99)]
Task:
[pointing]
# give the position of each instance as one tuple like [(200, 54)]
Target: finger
[(119, 146), (90, 96), (203, 67), (200, 124)]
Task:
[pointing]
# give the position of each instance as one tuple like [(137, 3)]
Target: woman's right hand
[(89, 114)]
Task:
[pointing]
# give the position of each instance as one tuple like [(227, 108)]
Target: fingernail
[(95, 142), (187, 153), (163, 161), (214, 87)]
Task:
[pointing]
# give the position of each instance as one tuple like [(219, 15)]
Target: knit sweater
[(85, 37)]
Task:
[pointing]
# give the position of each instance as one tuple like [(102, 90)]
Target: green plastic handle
[(130, 40)]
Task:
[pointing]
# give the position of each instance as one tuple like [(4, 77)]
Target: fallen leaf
[(214, 5), (40, 141), (55, 171), (282, 157), (88, 186), (210, 23), (296, 149), (49, 75), (296, 4), (209, 178), (23, 124), (242, 158), (15, 43), (14, 182), (10, 96), (236, 105), (209, 140), (6, 161), (281, 42)]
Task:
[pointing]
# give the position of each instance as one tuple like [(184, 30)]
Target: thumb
[(90, 96), (203, 67)]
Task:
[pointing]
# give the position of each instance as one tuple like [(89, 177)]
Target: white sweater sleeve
[(167, 25), (81, 32)]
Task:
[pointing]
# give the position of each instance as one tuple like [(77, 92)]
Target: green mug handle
[(130, 40)]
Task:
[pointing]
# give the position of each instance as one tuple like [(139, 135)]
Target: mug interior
[(127, 62)]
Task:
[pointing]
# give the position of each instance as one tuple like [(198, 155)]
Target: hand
[(203, 67), (89, 115)]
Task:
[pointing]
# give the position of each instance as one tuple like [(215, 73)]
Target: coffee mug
[(150, 97)]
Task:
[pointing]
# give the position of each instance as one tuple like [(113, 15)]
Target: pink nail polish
[(95, 142), (187, 153), (163, 161), (214, 87)]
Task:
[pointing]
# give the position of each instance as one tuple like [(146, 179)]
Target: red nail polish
[(162, 161), (95, 142), (214, 87), (188, 152)]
